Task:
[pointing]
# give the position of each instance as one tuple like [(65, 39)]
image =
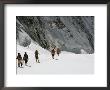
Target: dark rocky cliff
[(70, 33)]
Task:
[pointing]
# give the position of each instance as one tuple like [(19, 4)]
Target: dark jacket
[(36, 54), (25, 57), (19, 57), (53, 51)]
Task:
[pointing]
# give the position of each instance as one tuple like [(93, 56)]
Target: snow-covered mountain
[(69, 33)]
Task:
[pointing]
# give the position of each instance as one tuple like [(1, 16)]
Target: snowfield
[(66, 63)]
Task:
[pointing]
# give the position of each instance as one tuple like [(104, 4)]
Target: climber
[(36, 56), (53, 52), (19, 60), (25, 58), (58, 51)]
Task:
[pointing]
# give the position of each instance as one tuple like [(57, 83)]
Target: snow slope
[(66, 63)]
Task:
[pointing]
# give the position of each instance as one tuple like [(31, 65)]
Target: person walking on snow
[(58, 51), (53, 53), (25, 58), (19, 60), (36, 56)]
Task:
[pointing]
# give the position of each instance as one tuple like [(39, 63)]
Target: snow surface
[(66, 63)]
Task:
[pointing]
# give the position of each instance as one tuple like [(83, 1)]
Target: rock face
[(69, 33), (22, 37)]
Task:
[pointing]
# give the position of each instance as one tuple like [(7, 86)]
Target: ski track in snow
[(67, 63)]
